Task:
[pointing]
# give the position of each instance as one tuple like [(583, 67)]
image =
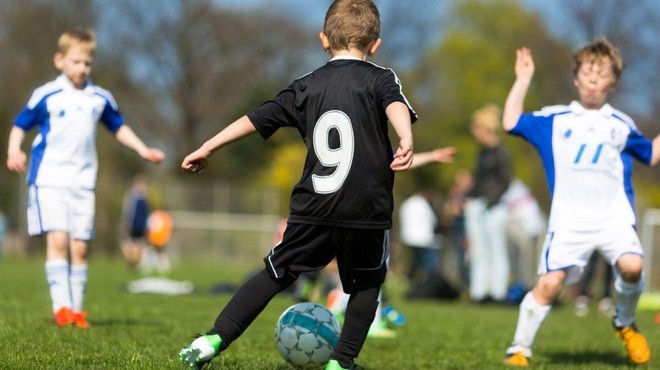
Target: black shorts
[(361, 253)]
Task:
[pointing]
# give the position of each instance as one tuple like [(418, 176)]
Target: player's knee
[(548, 287), (630, 267)]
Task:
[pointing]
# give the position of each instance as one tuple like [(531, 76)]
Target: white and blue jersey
[(587, 155), (63, 154)]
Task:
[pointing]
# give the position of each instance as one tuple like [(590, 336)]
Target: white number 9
[(341, 157)]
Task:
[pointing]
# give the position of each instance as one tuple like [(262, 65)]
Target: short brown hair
[(351, 23), (83, 37), (599, 49)]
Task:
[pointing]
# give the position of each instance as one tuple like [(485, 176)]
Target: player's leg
[(47, 214), (628, 287), (81, 205), (533, 310), (78, 277), (57, 274), (362, 262), (253, 296), (621, 248)]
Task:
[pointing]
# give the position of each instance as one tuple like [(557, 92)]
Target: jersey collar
[(345, 57), (577, 108), (66, 84)]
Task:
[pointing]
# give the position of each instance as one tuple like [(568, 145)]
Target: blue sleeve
[(639, 147), (111, 117), (536, 129), (30, 117)]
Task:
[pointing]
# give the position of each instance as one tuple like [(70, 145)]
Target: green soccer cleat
[(334, 365), (201, 351)]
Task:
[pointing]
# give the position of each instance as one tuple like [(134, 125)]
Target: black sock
[(246, 304), (360, 313)]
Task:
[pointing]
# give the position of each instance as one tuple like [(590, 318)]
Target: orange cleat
[(635, 343), (80, 320), (63, 316)]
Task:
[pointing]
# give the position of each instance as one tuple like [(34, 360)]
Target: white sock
[(78, 281), (530, 318), (57, 275), (627, 295)]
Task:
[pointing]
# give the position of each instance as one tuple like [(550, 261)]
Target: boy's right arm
[(513, 107), (399, 116), (197, 161), (16, 158)]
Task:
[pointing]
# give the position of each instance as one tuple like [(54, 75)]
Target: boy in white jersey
[(63, 167), (586, 149)]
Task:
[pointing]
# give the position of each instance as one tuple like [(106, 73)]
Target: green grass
[(146, 331)]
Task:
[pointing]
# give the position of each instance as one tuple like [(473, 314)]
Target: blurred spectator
[(419, 232), (525, 224), (133, 223), (485, 214), (454, 214)]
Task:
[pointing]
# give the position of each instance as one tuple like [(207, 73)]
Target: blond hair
[(82, 37), (597, 50), (487, 117), (351, 23)]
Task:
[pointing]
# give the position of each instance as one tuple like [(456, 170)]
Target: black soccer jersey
[(339, 110)]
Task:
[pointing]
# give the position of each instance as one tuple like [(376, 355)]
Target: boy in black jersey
[(342, 205)]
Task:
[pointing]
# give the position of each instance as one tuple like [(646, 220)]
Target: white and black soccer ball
[(306, 334)]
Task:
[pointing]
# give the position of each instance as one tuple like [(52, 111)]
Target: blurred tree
[(473, 64), (206, 66)]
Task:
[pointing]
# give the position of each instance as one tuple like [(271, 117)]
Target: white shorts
[(58, 209), (570, 250)]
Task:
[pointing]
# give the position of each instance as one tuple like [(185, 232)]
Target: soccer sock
[(78, 281), (530, 318), (378, 316), (360, 314), (627, 295), (57, 275), (246, 304)]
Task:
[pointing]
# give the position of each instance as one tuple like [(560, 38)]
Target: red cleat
[(80, 320), (64, 316)]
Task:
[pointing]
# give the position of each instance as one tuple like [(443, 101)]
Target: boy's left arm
[(399, 116), (128, 138)]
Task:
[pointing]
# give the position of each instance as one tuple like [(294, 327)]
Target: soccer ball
[(306, 334)]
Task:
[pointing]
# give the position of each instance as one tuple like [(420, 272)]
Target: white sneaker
[(200, 351)]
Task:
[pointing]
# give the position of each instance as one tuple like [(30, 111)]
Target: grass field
[(146, 331)]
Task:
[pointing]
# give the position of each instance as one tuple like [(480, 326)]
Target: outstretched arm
[(128, 138), (513, 107), (441, 155), (399, 117), (198, 160), (655, 157), (15, 156)]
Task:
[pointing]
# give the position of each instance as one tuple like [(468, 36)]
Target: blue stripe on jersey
[(27, 119), (110, 115), (30, 117), (38, 152), (537, 129), (626, 159)]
